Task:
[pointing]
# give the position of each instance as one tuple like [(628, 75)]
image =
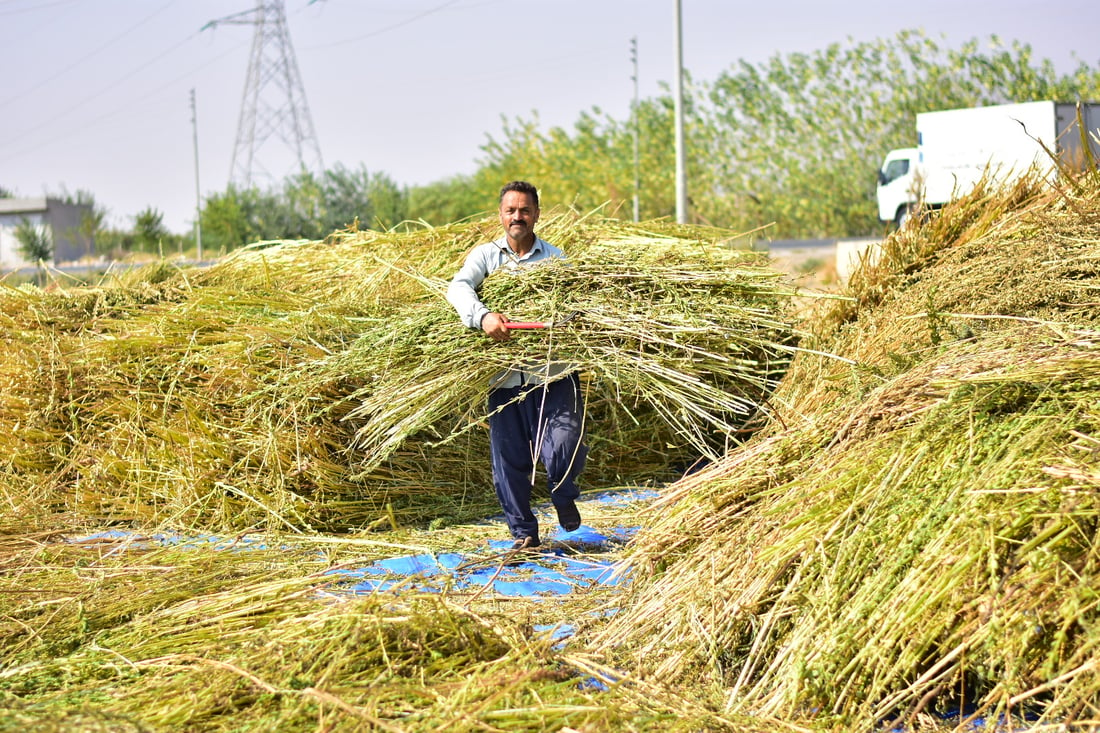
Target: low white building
[(62, 221)]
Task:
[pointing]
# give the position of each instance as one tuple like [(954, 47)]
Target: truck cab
[(957, 148), (897, 185)]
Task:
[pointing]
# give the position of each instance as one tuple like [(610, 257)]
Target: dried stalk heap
[(329, 385), (914, 532), (917, 531)]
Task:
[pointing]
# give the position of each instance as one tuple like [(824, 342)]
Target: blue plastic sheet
[(567, 562), (552, 571), (118, 539)]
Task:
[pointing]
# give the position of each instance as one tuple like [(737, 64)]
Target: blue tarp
[(553, 570), (559, 568), (119, 539), (567, 561)]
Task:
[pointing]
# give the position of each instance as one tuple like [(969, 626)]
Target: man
[(533, 414)]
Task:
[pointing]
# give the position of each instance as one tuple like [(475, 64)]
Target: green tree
[(300, 211), (35, 244), (592, 165), (791, 144), (802, 135), (91, 222), (388, 202), (305, 206), (374, 199), (114, 243), (449, 200), (150, 234), (235, 218)]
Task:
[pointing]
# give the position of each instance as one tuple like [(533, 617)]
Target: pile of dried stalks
[(305, 385), (116, 636), (914, 531), (917, 531)]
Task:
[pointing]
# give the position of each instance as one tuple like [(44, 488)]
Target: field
[(255, 497)]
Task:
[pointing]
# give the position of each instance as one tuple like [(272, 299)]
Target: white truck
[(956, 147)]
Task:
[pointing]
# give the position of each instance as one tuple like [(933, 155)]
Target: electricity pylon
[(274, 100)]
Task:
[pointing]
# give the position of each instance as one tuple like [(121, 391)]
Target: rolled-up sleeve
[(462, 292)]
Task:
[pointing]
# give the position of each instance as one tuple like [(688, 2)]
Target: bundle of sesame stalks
[(916, 534), (684, 347), (329, 385)]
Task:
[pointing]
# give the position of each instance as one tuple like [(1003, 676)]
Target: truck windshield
[(895, 169)]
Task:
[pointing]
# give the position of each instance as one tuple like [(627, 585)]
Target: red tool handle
[(525, 324)]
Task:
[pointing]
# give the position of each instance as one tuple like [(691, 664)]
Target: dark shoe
[(524, 550), (568, 516), (525, 543)]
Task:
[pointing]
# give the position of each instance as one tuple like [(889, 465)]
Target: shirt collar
[(502, 244)]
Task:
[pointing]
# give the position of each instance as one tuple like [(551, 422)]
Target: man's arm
[(462, 292)]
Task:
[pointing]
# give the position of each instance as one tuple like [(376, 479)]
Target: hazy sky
[(96, 93)]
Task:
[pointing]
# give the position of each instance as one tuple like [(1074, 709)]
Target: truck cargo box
[(955, 148)]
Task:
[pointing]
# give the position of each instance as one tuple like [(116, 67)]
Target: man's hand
[(493, 326)]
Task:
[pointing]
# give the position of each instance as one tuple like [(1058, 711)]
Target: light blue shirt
[(482, 260), (462, 294)]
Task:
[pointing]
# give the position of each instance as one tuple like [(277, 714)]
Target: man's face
[(518, 214)]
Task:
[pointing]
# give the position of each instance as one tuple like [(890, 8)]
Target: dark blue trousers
[(546, 424)]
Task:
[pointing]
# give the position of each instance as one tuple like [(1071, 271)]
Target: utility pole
[(634, 110), (286, 113), (678, 109), (198, 195)]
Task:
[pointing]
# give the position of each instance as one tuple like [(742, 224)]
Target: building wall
[(61, 219), (12, 212), (64, 221), (10, 257)]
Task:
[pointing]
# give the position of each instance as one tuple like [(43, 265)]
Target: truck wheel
[(902, 217)]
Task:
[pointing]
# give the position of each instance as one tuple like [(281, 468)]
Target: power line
[(87, 56), (71, 109), (124, 110), (38, 6), (385, 29)]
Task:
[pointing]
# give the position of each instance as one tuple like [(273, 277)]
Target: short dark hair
[(522, 187)]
